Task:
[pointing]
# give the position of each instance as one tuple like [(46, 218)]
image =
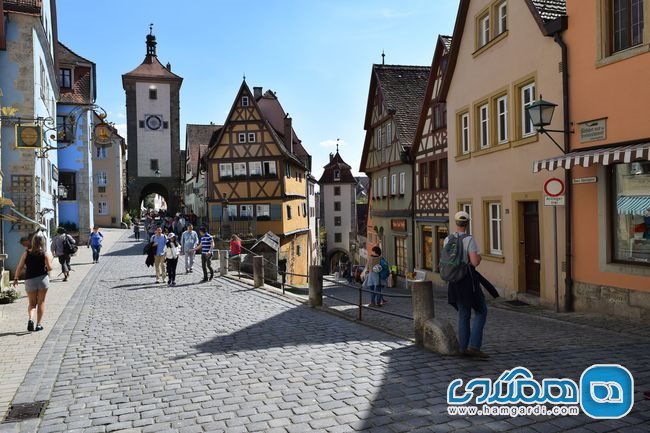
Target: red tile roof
[(152, 68)]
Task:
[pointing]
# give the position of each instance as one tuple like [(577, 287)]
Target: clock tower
[(153, 131)]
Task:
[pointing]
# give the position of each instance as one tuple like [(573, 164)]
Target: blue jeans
[(473, 338), (375, 296), (96, 250)]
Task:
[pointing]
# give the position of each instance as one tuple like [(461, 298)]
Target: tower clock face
[(153, 121)]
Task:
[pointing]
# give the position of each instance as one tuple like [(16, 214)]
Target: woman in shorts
[(37, 262)]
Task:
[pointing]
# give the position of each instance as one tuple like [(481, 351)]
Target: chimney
[(257, 93), (331, 156), (288, 133), (169, 66)]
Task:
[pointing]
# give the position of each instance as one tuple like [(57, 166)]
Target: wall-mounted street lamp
[(541, 115), (157, 173)]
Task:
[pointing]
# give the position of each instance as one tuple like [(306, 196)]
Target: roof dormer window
[(65, 76), (337, 174), (244, 101)]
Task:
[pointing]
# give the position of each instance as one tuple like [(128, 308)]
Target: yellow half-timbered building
[(257, 177)]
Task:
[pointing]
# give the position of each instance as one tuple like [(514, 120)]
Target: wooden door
[(532, 260)]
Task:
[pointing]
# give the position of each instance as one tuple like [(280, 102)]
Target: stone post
[(431, 333), (258, 271), (223, 262), (315, 286)]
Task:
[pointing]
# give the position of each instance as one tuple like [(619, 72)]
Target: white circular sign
[(554, 187)]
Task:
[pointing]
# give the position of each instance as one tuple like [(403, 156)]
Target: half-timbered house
[(394, 105), (429, 152), (257, 177)]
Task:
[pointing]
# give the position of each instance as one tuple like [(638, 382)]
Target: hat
[(171, 235), (461, 216)]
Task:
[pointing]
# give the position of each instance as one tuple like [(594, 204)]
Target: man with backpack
[(459, 257), (378, 272), (63, 246)]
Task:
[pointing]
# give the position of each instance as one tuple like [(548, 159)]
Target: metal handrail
[(360, 304)]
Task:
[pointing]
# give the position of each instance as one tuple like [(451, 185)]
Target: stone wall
[(611, 300)]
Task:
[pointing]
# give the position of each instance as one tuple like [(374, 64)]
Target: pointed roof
[(273, 115), (443, 46), (402, 88), (83, 91), (550, 16), (151, 67), (337, 163)]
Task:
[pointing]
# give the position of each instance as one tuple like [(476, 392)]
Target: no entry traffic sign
[(554, 192)]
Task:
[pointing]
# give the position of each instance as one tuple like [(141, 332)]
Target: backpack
[(452, 267), (69, 247), (385, 270)]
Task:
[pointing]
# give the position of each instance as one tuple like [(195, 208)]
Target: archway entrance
[(155, 197), (339, 260)]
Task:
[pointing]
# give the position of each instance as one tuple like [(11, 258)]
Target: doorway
[(530, 244)]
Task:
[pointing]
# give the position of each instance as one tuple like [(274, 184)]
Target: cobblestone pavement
[(135, 356)]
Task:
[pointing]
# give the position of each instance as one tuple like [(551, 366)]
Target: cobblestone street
[(130, 355)]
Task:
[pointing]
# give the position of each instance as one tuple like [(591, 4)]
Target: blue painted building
[(28, 80), (75, 120)]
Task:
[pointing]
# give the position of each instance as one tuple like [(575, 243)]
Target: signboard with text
[(554, 192), (593, 130)]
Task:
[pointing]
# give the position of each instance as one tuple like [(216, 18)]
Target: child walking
[(172, 251)]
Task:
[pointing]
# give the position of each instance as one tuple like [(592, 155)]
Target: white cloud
[(332, 143), (121, 129)]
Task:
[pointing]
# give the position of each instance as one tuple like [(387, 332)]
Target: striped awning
[(586, 158), (633, 204)]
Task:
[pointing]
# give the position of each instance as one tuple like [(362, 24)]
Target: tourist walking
[(189, 243), (172, 251), (235, 245), (37, 262), (465, 294), (95, 242), (159, 242), (206, 246), (63, 246), (377, 274)]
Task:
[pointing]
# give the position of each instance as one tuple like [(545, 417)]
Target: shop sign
[(579, 180), (593, 130), (398, 225)]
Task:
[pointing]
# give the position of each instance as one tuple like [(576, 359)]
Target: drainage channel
[(24, 411)]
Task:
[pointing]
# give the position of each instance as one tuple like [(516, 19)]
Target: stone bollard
[(223, 262), (258, 271), (431, 333), (315, 286)]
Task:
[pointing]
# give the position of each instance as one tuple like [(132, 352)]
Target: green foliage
[(126, 218), (8, 296)]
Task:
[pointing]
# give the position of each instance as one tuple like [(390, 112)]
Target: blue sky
[(316, 55)]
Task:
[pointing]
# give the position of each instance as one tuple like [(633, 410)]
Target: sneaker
[(169, 283), (39, 327), (475, 353), (205, 280), (372, 304), (173, 283), (211, 277), (65, 279), (157, 281), (30, 325)]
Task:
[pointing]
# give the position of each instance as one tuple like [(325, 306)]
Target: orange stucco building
[(608, 165)]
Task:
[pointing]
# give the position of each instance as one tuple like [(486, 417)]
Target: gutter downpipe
[(568, 224)]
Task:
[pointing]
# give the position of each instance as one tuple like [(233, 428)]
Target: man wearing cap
[(466, 295)]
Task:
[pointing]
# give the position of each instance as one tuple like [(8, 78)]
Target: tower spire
[(151, 42), (337, 145), (383, 55)]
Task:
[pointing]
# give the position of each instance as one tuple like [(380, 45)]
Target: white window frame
[(225, 170), (502, 17), (102, 208), (527, 98), (239, 169), (467, 207), (102, 153), (502, 119), (232, 210), (389, 133), (484, 31), (246, 210), (484, 126), (385, 184), (271, 168), (102, 178), (244, 101), (464, 133), (241, 137), (402, 183), (252, 137), (255, 168), (263, 210), (393, 184), (378, 138), (494, 213)]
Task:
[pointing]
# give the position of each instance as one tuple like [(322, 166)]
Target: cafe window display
[(631, 216)]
